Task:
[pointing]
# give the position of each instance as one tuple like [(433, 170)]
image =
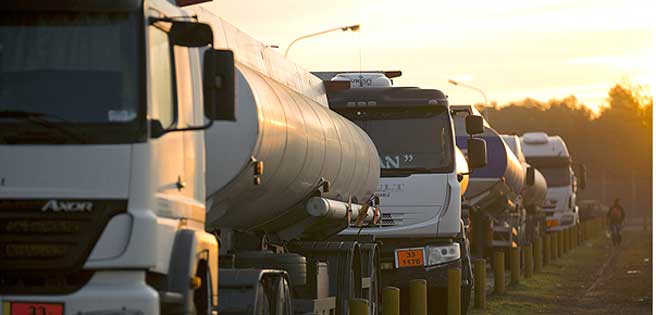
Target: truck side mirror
[(191, 34), (474, 124), (476, 153), (583, 173), (219, 85), (530, 176)]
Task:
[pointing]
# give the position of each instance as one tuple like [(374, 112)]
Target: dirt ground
[(594, 278)]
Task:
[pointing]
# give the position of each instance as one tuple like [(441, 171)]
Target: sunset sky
[(511, 49)]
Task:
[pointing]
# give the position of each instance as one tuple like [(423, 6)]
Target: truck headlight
[(442, 254)]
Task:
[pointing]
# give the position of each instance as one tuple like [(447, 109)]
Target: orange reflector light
[(196, 282), (552, 223), (332, 86)]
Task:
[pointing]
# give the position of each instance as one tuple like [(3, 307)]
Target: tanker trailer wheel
[(294, 264), (370, 259)]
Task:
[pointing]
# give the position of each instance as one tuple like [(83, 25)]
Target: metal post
[(499, 273), (528, 261), (479, 286), (417, 297), (537, 255), (515, 263), (391, 301), (559, 244), (547, 249), (358, 307), (554, 246), (453, 291)]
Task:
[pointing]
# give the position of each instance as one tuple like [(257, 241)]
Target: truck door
[(167, 149)]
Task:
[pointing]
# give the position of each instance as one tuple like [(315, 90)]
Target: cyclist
[(615, 218)]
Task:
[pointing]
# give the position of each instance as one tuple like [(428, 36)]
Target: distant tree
[(616, 144)]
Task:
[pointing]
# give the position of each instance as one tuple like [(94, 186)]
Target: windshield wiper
[(39, 119), (406, 171)]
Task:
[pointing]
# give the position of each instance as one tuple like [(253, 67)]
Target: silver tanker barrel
[(496, 186), (284, 149), (533, 195), (494, 192)]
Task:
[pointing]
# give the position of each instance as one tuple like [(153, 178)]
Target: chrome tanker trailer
[(492, 201), (534, 191), (283, 177)]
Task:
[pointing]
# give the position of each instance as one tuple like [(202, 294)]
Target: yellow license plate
[(409, 257)]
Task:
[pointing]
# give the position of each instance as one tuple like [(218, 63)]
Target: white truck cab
[(549, 154), (423, 177), (102, 194)]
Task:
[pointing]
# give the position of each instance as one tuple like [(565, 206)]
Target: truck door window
[(161, 77)]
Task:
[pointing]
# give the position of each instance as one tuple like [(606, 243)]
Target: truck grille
[(44, 243)]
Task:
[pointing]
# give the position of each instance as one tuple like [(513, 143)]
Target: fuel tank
[(497, 185), (533, 196), (301, 148)]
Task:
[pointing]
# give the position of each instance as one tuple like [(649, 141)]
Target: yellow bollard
[(479, 286), (528, 261), (453, 291), (556, 244), (567, 238), (561, 244), (537, 255), (417, 297), (547, 249), (358, 307), (584, 232), (499, 273), (391, 301), (515, 265)]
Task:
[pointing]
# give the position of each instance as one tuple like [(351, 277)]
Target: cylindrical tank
[(501, 180), (534, 195), (502, 166), (302, 145)]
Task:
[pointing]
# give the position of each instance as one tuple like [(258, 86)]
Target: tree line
[(614, 144)]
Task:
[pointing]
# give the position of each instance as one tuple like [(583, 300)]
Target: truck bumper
[(560, 221), (121, 292)]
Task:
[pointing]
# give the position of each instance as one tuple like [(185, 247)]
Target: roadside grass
[(563, 277)]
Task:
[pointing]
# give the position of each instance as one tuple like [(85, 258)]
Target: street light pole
[(470, 87), (353, 28), (456, 83)]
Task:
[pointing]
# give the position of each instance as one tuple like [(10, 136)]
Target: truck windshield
[(76, 69), (556, 169), (556, 176), (409, 140)]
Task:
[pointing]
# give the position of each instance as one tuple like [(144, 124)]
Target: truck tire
[(294, 264)]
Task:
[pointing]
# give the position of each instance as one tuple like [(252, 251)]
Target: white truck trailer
[(549, 154), (423, 177), (124, 164)]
